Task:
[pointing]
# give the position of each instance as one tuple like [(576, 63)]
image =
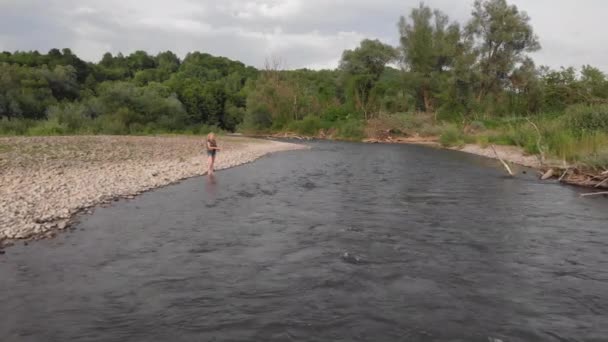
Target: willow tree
[(362, 68), (503, 37), (429, 47)]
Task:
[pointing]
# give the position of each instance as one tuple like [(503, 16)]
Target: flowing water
[(346, 242)]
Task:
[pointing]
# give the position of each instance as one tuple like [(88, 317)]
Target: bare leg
[(210, 165)]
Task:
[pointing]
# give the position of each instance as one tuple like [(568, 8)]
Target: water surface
[(346, 242)]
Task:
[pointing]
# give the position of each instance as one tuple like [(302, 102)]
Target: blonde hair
[(211, 136)]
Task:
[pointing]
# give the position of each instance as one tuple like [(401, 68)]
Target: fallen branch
[(502, 161), (595, 194), (564, 175), (549, 174), (605, 181)]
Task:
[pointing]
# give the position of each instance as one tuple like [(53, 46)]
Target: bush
[(597, 161), (351, 129), (451, 136), (483, 141), (15, 126), (309, 126), (406, 123), (109, 124), (203, 129), (335, 113), (71, 118), (582, 119), (257, 119), (48, 127), (477, 126)]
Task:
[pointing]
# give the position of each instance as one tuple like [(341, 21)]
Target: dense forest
[(460, 77)]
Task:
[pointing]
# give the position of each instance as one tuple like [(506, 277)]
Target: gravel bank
[(511, 154), (46, 180)]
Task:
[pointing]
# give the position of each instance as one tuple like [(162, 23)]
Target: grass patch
[(452, 136), (422, 124), (351, 129)]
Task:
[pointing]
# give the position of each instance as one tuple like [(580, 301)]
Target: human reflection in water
[(211, 185)]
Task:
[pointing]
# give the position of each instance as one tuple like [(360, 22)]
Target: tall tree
[(363, 67), (503, 36), (429, 47)]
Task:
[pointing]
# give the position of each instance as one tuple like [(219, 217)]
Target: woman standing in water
[(211, 151)]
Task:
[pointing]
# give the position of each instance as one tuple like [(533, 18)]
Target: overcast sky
[(302, 33)]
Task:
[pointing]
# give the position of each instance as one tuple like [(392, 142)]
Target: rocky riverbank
[(44, 181)]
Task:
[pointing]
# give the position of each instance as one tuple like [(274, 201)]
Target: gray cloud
[(303, 33)]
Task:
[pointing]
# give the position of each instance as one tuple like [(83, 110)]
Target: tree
[(594, 84), (63, 82), (429, 47), (503, 36), (140, 60), (168, 62), (363, 67), (525, 88), (561, 88)]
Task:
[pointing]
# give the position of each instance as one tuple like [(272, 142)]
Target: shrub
[(256, 119), (109, 124), (15, 126), (310, 126), (582, 119), (482, 140), (351, 129), (477, 126), (71, 117), (451, 136), (335, 113), (597, 160), (47, 127)]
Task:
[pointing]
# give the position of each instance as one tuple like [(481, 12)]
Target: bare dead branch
[(502, 161), (595, 194), (538, 143)]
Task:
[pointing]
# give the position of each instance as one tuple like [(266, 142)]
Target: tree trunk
[(428, 104)]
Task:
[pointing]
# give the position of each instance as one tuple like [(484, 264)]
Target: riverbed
[(343, 242)]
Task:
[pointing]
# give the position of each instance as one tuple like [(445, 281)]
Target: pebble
[(42, 193)]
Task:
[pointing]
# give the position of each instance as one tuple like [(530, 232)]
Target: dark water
[(346, 242)]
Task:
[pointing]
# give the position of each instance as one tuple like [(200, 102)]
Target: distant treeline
[(458, 71)]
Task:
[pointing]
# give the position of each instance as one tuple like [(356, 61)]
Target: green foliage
[(257, 119), (335, 113), (503, 35), (362, 68), (48, 127), (429, 45), (350, 129), (15, 126), (309, 126), (68, 118), (452, 136), (584, 119)]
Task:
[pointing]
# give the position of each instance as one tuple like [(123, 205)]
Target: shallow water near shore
[(345, 242)]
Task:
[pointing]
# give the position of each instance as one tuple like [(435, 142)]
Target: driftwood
[(595, 194), (605, 181), (502, 161), (549, 174), (564, 175)]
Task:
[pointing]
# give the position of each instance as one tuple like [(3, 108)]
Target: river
[(345, 242)]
